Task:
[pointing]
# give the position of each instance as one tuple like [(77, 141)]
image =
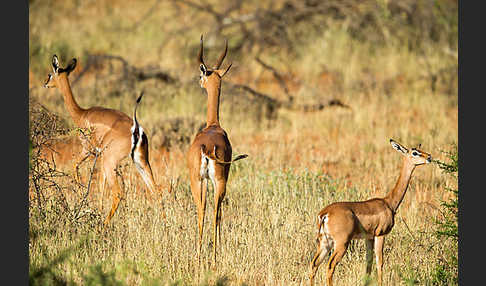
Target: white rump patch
[(207, 170), (203, 169), (140, 132), (135, 150), (323, 224), (326, 240), (136, 145)]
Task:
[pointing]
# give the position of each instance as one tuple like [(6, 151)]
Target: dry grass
[(297, 164)]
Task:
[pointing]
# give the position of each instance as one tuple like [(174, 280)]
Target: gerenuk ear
[(398, 147), (49, 82), (55, 64), (203, 69), (70, 67)]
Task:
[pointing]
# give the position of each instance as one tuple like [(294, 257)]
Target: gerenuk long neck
[(395, 196), (72, 106), (213, 91)]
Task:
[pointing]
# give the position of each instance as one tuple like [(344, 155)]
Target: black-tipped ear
[(203, 69), (55, 63), (70, 67), (397, 146), (49, 78)]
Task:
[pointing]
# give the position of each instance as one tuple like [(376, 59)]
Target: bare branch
[(88, 188), (129, 71), (206, 8), (289, 104), (277, 76), (257, 94), (144, 17)]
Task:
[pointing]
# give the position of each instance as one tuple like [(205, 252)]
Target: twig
[(289, 104), (257, 94), (207, 8), (320, 106), (37, 190), (409, 231), (139, 74), (144, 17), (277, 76), (83, 201)]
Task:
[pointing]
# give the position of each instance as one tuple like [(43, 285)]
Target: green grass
[(298, 162)]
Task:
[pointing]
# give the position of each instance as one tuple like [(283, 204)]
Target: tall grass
[(298, 161)]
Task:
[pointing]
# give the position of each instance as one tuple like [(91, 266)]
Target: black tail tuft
[(140, 97), (135, 109), (239, 157)]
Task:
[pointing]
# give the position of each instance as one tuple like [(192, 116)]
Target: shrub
[(446, 270)]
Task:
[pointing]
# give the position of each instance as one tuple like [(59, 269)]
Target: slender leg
[(379, 241), (220, 190), (336, 256), (102, 188), (110, 158), (116, 194), (369, 255), (199, 197), (218, 228), (220, 214), (323, 248)]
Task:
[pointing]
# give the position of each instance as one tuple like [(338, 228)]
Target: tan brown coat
[(340, 222)]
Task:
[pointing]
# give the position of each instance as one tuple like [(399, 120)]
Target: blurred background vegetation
[(315, 91), (287, 55)]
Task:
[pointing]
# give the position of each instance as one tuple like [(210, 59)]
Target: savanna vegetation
[(315, 92)]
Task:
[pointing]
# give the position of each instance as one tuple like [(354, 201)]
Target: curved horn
[(200, 54), (221, 57)]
